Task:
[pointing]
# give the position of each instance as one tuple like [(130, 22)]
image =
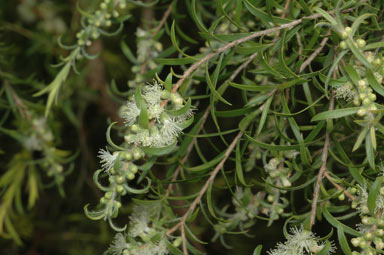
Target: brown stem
[(337, 186), (322, 170)]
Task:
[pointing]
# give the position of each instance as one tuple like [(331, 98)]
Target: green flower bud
[(103, 6), (119, 189), (120, 179), (368, 236), (341, 197), (362, 112), (126, 252), (130, 176), (361, 43), (355, 241), (133, 168), (366, 101), (362, 83), (103, 200), (348, 30), (343, 45), (270, 198), (108, 195)]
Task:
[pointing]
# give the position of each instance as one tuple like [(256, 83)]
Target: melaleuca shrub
[(229, 118)]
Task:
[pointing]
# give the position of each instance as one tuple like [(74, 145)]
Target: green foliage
[(222, 119)]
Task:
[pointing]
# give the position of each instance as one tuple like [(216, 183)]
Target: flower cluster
[(147, 50), (144, 237), (168, 121), (39, 137), (371, 226), (300, 242), (43, 12), (121, 169)]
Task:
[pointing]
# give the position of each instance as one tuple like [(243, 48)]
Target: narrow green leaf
[(168, 82), (334, 222), (212, 87), (254, 88), (372, 195), (358, 21), (183, 110), (360, 138), (369, 151), (160, 151), (373, 137), (357, 53), (128, 53), (327, 16), (335, 114), (264, 115), (374, 83), (109, 140), (352, 73), (343, 241), (175, 61), (205, 166), (239, 167), (258, 249)]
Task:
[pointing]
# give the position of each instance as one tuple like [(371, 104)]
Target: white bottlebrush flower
[(118, 245), (140, 219), (170, 130), (107, 159), (131, 113), (152, 94), (300, 242), (345, 91)]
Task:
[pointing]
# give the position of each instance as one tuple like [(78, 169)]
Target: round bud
[(270, 198), (118, 204), (111, 179), (379, 232), (356, 101), (366, 101), (380, 222), (122, 5), (135, 128), (353, 205), (379, 245), (133, 168), (115, 14), (103, 6), (136, 155), (280, 210), (362, 96), (361, 43), (120, 179), (353, 190), (355, 241), (177, 242), (108, 195), (344, 35), (372, 96), (126, 252), (343, 45), (372, 107), (377, 61), (366, 220), (341, 197), (130, 176), (103, 200), (368, 236), (348, 30), (88, 43), (119, 189), (361, 83), (108, 23), (361, 112)]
